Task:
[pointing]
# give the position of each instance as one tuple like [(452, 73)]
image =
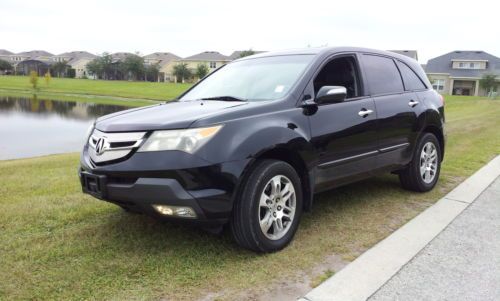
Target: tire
[(423, 171), (249, 214)]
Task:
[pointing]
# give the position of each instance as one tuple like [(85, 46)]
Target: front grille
[(104, 147)]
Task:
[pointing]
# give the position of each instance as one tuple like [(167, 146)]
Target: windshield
[(266, 78)]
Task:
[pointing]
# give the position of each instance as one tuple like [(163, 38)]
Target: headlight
[(89, 132), (187, 141)]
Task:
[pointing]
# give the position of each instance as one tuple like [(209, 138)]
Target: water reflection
[(34, 127), (73, 110)]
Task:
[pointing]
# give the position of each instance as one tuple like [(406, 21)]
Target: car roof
[(328, 50)]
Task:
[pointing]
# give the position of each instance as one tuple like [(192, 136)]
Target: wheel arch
[(438, 132), (291, 157)]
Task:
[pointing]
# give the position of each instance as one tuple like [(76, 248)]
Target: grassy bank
[(107, 100), (87, 87), (56, 243)]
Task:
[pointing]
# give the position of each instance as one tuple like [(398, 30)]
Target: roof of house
[(162, 58), (118, 56), (35, 53), (408, 53), (237, 54), (443, 63), (5, 52), (207, 56), (73, 55)]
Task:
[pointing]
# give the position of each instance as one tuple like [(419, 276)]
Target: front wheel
[(423, 171), (266, 216)]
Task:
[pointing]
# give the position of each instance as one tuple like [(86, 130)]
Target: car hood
[(171, 115)]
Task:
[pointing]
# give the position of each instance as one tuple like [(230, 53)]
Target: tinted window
[(340, 72), (410, 79), (382, 75)]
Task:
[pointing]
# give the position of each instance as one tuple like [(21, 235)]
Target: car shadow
[(137, 233)]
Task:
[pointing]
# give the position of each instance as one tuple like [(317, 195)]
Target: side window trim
[(360, 76), (416, 74)]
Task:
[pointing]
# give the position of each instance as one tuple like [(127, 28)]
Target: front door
[(343, 134)]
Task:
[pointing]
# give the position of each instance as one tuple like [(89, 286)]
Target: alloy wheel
[(428, 162), (277, 207)]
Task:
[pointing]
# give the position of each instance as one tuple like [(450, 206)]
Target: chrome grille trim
[(106, 152)]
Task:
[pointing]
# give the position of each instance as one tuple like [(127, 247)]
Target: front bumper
[(165, 178)]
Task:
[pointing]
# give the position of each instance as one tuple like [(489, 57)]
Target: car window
[(382, 75), (410, 78), (341, 71), (266, 78)]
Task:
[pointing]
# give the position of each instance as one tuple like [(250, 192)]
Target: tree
[(34, 79), (5, 66), (182, 72), (106, 62), (60, 68), (152, 72), (201, 70), (101, 66), (94, 67), (47, 78), (489, 83), (247, 53), (133, 65)]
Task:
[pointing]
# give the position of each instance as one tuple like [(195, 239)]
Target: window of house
[(410, 78), (339, 72), (461, 65), (438, 84), (382, 75), (213, 65)]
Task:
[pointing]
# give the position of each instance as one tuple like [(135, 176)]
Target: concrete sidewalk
[(461, 263), (448, 252)]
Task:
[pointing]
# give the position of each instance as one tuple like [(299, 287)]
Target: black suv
[(251, 143)]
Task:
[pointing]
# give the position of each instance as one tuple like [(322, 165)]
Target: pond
[(30, 126)]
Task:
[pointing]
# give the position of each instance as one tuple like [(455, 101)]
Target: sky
[(187, 27)]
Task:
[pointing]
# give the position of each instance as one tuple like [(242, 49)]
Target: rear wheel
[(423, 172), (267, 214)]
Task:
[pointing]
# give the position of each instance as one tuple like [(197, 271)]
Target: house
[(409, 53), (458, 72), (120, 56), (165, 61), (5, 55), (77, 60), (237, 54), (212, 59), (35, 60)]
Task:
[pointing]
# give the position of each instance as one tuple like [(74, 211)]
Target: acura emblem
[(101, 146)]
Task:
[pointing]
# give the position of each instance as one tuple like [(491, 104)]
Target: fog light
[(186, 212)]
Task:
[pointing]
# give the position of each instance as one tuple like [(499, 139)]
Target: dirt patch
[(291, 288)]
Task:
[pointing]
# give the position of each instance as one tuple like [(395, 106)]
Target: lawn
[(86, 87), (57, 243)]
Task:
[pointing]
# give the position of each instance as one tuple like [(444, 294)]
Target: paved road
[(461, 263)]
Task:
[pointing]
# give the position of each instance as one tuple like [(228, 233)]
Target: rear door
[(398, 109), (343, 134)]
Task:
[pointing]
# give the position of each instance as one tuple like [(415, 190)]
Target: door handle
[(413, 103), (364, 112)]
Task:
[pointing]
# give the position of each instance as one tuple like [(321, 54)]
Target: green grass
[(56, 243), (85, 87), (107, 100)]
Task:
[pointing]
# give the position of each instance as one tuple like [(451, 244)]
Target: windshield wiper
[(224, 98)]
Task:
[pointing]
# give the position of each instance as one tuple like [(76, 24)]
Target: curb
[(365, 275)]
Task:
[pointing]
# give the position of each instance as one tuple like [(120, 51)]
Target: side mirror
[(331, 94)]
